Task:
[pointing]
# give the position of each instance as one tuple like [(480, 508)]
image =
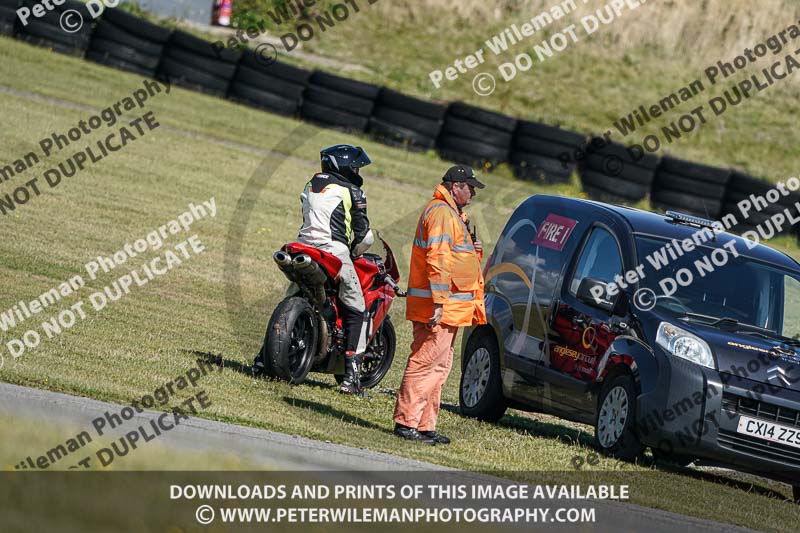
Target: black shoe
[(408, 433), (441, 439)]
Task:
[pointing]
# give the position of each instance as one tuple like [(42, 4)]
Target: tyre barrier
[(543, 153), (402, 120), (740, 189), (475, 136), (687, 186), (460, 132), (128, 43), (191, 62), (611, 172), (8, 17), (47, 31), (275, 87), (338, 102)]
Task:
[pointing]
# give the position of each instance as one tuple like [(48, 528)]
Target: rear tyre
[(616, 415), (291, 339), (480, 394), (796, 493)]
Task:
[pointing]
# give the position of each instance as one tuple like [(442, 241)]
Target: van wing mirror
[(594, 292)]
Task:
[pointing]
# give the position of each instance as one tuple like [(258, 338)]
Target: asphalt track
[(269, 450)]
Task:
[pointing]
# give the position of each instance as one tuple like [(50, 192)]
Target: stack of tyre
[(126, 42), (544, 153), (406, 121), (748, 214), (690, 187), (275, 86), (615, 173), (475, 136), (67, 28), (8, 16), (338, 102), (191, 62)]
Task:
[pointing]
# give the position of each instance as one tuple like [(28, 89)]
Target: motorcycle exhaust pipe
[(311, 274), (284, 262), (302, 262), (282, 259)]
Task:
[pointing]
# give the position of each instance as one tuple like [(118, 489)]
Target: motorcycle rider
[(335, 220)]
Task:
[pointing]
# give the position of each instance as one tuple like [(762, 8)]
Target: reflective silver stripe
[(425, 213), (419, 293), (436, 239), (419, 241), (422, 293), (440, 286), (462, 296)]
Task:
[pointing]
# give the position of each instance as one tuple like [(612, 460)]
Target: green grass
[(218, 303)]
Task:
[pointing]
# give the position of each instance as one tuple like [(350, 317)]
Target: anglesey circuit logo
[(784, 352)]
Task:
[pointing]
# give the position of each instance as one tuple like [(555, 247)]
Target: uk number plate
[(769, 431)]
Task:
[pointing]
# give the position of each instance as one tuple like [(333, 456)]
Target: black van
[(659, 330)]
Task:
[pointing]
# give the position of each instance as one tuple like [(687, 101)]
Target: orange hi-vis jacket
[(445, 268)]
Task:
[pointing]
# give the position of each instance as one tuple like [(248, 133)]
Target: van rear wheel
[(480, 392)]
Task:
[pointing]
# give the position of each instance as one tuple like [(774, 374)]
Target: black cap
[(462, 174)]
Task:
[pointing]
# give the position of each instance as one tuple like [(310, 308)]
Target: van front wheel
[(614, 428)]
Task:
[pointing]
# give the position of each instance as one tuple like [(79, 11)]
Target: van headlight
[(680, 343)]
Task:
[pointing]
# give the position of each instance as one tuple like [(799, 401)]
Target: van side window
[(600, 259)]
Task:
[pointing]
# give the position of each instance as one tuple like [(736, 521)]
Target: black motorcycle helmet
[(345, 160)]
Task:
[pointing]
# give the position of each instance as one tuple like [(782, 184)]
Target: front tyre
[(480, 392), (291, 339), (614, 431), (378, 357)]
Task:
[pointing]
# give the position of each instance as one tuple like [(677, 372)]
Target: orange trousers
[(428, 367)]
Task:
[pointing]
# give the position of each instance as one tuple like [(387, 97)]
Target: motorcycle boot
[(351, 384)]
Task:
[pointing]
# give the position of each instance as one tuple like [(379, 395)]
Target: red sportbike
[(305, 333)]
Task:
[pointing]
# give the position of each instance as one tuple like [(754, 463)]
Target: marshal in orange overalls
[(445, 269)]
